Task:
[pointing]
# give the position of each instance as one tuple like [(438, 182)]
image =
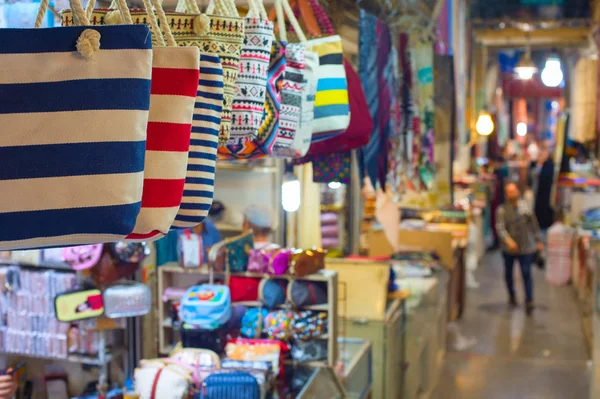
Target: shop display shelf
[(73, 358)]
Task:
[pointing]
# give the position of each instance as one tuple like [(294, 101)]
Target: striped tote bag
[(175, 76), (74, 132), (249, 101), (200, 177)]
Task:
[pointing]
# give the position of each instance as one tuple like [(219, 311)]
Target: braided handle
[(162, 17), (322, 18), (280, 20), (293, 20)]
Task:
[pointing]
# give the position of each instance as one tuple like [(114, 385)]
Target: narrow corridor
[(543, 356)]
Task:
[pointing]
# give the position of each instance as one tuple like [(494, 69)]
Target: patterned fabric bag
[(220, 34), (293, 83), (72, 152), (249, 101)]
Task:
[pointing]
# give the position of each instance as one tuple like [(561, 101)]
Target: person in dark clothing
[(500, 175), (545, 179)]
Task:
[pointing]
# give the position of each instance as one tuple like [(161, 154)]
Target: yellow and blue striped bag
[(332, 109), (74, 105)]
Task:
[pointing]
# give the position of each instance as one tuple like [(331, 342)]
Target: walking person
[(520, 239)]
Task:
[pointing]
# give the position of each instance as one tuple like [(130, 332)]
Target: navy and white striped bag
[(73, 109), (200, 178)]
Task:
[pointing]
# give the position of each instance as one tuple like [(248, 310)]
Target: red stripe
[(135, 236), (162, 193), (166, 136), (176, 82)]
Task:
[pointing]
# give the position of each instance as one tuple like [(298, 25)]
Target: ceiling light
[(485, 124), (552, 74), (522, 129), (526, 68)]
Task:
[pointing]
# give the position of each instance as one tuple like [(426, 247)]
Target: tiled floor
[(517, 357)]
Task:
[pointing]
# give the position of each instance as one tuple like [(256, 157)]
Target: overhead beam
[(513, 37)]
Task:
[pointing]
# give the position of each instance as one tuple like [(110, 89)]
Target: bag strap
[(225, 8), (256, 9), (321, 16), (293, 20), (155, 383), (280, 21)]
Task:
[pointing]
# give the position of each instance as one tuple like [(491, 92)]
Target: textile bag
[(332, 110), (221, 34), (249, 101), (74, 105), (175, 78), (163, 379)]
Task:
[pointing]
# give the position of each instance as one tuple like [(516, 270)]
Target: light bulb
[(552, 75), (525, 73), (334, 185), (522, 129), (485, 124), (290, 193)]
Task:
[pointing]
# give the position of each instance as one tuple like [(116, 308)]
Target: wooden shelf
[(228, 228), (73, 358)]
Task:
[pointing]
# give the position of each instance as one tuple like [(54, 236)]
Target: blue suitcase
[(232, 385)]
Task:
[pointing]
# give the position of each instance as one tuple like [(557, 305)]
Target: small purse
[(253, 322), (308, 262), (78, 305), (303, 293), (108, 270), (246, 349), (191, 250), (81, 257), (200, 338), (272, 292), (129, 252), (127, 299), (308, 325), (243, 288), (278, 325), (232, 253), (274, 261)]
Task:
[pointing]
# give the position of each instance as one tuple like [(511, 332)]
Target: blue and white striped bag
[(73, 109), (200, 177)]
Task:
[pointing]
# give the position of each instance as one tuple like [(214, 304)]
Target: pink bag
[(328, 218), (272, 261), (330, 231), (83, 256)]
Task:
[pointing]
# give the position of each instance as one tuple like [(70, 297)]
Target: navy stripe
[(116, 219), (75, 159), (64, 39), (189, 219), (75, 95), (201, 168), (210, 107), (206, 118), (205, 130), (331, 59), (205, 143), (212, 96), (197, 193), (211, 71), (201, 207), (199, 180), (202, 155), (325, 111), (210, 83)]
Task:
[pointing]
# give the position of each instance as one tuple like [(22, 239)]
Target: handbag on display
[(129, 252), (308, 325), (309, 351), (163, 379), (249, 101), (81, 257), (259, 370), (292, 84), (200, 338), (307, 293), (278, 325), (78, 305), (272, 292), (231, 254), (253, 322), (108, 269), (229, 385), (243, 288), (250, 350), (127, 299), (274, 261), (191, 250), (206, 306), (308, 262), (75, 119), (332, 109)]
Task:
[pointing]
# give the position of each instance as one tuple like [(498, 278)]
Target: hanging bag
[(73, 105), (249, 101), (332, 110)]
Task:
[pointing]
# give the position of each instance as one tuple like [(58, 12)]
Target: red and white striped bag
[(175, 74)]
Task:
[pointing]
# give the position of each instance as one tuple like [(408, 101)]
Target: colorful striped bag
[(175, 77), (332, 109), (74, 107), (221, 34), (249, 101)]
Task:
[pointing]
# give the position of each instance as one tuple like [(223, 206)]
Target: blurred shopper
[(560, 238), (259, 219), (500, 175), (520, 238), (545, 179)]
